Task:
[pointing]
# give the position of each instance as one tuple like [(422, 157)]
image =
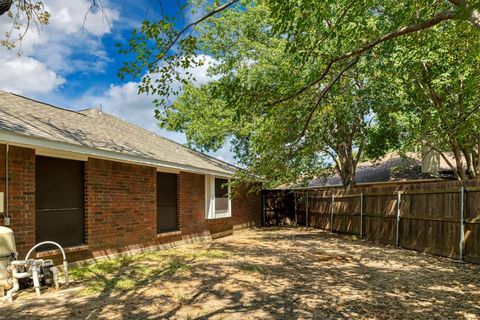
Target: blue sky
[(74, 65)]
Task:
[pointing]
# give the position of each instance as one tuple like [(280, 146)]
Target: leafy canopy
[(297, 86)]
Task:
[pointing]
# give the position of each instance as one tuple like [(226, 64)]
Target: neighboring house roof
[(94, 132), (391, 167)]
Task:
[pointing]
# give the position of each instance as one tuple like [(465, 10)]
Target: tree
[(265, 135), (227, 108), (345, 29), (283, 91), (439, 88), (27, 13)]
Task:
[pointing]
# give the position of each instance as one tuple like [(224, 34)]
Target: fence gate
[(278, 208)]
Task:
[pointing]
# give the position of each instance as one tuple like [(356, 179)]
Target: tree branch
[(191, 25), (473, 14), (440, 17), (322, 94)]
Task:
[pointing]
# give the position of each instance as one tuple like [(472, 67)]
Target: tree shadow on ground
[(276, 274)]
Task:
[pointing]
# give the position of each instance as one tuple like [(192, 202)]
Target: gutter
[(7, 137)]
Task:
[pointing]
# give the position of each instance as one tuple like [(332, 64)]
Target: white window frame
[(210, 212)]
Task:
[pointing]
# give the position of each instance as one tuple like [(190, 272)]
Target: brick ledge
[(55, 252), (169, 234)]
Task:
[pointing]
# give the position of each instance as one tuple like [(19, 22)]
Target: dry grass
[(265, 274)]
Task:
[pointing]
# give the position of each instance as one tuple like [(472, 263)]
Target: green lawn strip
[(127, 273)]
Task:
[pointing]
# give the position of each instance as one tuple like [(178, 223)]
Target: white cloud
[(125, 102), (78, 15), (67, 45), (64, 46), (26, 75)]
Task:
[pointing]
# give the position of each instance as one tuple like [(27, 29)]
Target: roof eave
[(7, 137)]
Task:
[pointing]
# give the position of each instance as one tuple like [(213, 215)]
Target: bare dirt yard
[(265, 274)]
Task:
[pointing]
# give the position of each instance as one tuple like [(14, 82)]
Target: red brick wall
[(120, 203), (191, 200), (21, 194), (246, 208)]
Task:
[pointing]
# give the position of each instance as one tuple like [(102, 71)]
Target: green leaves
[(273, 61)]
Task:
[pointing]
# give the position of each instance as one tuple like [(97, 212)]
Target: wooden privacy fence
[(441, 218)]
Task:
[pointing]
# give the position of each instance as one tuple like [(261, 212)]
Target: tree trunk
[(469, 162), (458, 158), (477, 155), (346, 165)]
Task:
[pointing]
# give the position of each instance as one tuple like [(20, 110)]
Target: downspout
[(6, 218)]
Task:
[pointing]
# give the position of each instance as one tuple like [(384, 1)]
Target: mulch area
[(275, 273)]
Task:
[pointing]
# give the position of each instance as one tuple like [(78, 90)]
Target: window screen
[(166, 202), (59, 201)]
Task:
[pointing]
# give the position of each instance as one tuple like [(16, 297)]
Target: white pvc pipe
[(65, 263), (16, 285), (65, 272), (55, 277), (36, 281), (43, 243)]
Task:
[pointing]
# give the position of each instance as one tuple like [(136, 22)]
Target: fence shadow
[(441, 218)]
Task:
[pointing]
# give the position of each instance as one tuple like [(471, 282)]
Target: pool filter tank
[(16, 274), (8, 253)]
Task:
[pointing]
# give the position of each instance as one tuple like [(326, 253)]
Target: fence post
[(295, 209), (263, 208), (331, 213), (307, 224), (462, 224), (361, 215), (397, 237)]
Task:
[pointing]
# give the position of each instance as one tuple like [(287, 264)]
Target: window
[(166, 202), (59, 201), (217, 198)]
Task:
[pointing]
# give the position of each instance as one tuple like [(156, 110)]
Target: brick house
[(99, 185)]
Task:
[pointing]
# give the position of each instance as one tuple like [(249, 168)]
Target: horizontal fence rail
[(441, 218)]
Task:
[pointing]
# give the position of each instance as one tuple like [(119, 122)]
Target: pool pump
[(17, 275)]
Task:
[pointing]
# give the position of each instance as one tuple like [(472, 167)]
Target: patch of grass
[(126, 273), (213, 254), (252, 268), (125, 284), (188, 254), (91, 289), (117, 285), (180, 298), (179, 267)]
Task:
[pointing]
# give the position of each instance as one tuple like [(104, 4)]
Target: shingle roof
[(96, 129), (391, 167)]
